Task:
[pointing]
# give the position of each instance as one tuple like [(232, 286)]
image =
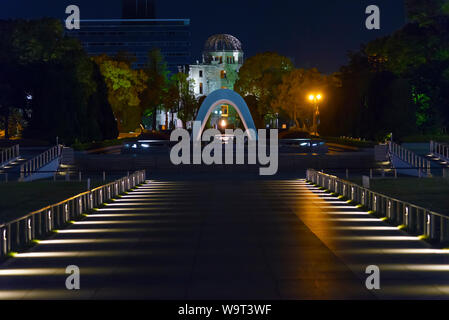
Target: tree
[(252, 104), (50, 80), (423, 11), (370, 103), (156, 84), (188, 104), (259, 77), (101, 109), (291, 93), (419, 52), (124, 88), (170, 102), (11, 86)]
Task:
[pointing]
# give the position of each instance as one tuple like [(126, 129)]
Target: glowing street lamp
[(315, 98)]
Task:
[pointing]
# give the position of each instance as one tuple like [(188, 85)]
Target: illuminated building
[(222, 59)]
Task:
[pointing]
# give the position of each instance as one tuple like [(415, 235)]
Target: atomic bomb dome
[(222, 59)]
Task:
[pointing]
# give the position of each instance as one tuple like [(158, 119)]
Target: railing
[(417, 220), (34, 164), (439, 149), (416, 162), (37, 224), (9, 154)]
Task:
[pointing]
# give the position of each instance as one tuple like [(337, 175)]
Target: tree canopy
[(53, 82), (124, 88), (292, 92), (259, 77)]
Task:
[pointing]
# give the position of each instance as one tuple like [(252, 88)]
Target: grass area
[(99, 144), (431, 193), (148, 135), (352, 142), (21, 198), (426, 138)]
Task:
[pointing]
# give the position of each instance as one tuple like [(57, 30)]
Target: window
[(201, 73), (224, 110), (221, 59), (201, 88)]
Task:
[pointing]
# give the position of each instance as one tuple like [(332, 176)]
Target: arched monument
[(229, 97)]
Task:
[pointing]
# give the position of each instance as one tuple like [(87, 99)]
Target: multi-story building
[(137, 33)]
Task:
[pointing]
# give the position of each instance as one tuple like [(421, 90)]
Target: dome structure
[(222, 42)]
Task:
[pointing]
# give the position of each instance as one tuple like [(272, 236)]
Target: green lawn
[(20, 198), (432, 193)]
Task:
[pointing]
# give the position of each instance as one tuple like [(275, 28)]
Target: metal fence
[(9, 154), (439, 149), (418, 220), (37, 224), (416, 162), (34, 164)]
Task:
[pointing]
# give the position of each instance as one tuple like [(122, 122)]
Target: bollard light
[(428, 219), (406, 215), (4, 234)]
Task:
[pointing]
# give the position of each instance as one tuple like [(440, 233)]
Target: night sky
[(314, 33)]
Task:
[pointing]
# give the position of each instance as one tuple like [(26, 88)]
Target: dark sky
[(315, 33)]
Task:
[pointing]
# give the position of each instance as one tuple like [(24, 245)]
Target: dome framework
[(222, 42)]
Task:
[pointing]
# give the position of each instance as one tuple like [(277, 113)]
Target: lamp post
[(315, 98)]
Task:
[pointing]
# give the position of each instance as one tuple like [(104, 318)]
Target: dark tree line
[(49, 78), (398, 83)]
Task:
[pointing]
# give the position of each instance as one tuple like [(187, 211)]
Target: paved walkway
[(264, 239)]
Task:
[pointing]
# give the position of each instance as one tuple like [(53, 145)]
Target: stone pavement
[(227, 239)]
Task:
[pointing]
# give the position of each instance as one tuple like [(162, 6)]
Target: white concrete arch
[(232, 98)]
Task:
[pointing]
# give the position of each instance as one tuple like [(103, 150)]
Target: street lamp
[(315, 98)]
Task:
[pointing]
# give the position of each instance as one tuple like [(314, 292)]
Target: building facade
[(137, 37), (222, 59), (137, 33)]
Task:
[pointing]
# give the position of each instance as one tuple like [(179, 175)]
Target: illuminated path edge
[(275, 239)]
